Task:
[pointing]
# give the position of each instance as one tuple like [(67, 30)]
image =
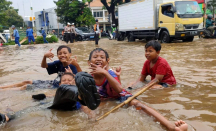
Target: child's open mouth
[(98, 64), (63, 58)]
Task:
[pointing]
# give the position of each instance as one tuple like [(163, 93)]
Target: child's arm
[(140, 79), (90, 113), (49, 55), (112, 81), (142, 76), (159, 77)]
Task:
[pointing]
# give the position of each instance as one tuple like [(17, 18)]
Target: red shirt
[(161, 67)]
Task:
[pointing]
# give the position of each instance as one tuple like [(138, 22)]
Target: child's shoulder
[(55, 62), (162, 60)]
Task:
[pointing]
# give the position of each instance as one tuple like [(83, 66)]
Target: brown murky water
[(192, 100)]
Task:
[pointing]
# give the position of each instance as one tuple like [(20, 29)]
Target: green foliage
[(8, 15), (39, 40), (211, 5), (5, 5), (74, 11), (52, 39), (14, 18), (86, 18)]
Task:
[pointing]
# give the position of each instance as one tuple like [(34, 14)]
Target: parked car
[(79, 36), (83, 29), (88, 35)]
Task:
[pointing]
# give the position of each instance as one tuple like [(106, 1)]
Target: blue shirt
[(15, 33), (29, 32), (57, 67), (43, 33)]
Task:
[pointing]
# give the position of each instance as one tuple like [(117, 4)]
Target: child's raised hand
[(97, 69), (117, 71), (49, 54), (68, 70), (73, 61)]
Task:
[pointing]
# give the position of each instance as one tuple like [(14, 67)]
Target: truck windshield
[(188, 9)]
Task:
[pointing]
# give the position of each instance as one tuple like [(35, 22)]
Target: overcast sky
[(38, 5)]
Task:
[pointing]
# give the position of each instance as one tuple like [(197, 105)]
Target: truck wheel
[(165, 38), (120, 37), (130, 37), (188, 39)]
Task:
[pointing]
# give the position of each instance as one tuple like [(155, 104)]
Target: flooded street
[(193, 99)]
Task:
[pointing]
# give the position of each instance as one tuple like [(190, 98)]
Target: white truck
[(149, 19)]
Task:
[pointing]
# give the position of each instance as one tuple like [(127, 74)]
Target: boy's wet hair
[(155, 44), (63, 46), (67, 73), (98, 50)]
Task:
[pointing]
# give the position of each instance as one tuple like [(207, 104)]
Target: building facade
[(101, 14), (47, 19)]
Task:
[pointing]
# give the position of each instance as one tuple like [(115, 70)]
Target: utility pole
[(58, 25), (204, 17), (111, 19), (24, 15), (32, 15), (44, 20)]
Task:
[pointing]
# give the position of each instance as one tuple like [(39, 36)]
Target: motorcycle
[(207, 33)]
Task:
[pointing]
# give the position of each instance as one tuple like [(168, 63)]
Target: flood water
[(193, 99)]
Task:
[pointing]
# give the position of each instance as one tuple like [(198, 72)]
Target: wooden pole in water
[(155, 81)]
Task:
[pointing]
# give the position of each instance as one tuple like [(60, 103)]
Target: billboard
[(200, 1)]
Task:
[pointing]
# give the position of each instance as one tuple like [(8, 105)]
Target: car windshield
[(79, 31), (188, 9), (84, 29)]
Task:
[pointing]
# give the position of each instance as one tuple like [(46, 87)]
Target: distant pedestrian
[(16, 35), (44, 35), (97, 32), (73, 33), (114, 31), (67, 31), (53, 32), (29, 34)]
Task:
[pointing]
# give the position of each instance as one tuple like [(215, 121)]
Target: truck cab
[(179, 20)]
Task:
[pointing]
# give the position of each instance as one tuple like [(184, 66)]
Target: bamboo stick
[(150, 84)]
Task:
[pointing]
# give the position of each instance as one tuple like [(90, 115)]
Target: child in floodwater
[(68, 96), (155, 66), (109, 86), (59, 66)]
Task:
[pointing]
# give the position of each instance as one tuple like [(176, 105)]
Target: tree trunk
[(111, 9)]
